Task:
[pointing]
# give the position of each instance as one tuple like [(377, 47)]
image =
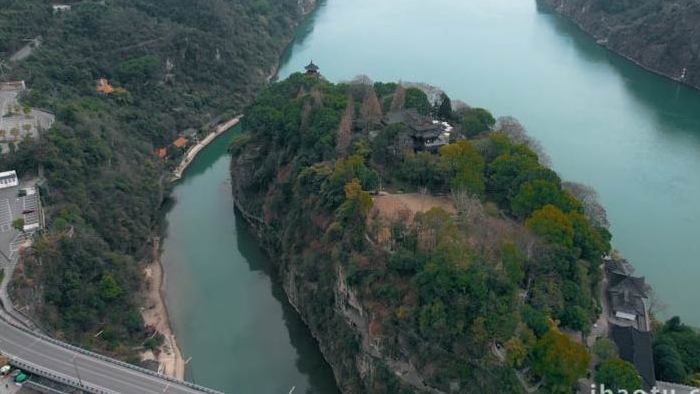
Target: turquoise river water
[(632, 135)]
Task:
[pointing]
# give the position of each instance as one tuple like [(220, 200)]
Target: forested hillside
[(660, 35), (437, 267), (175, 64)]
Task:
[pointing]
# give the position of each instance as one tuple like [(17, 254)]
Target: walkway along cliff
[(193, 151)]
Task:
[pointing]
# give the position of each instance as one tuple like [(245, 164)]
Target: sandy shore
[(155, 314)]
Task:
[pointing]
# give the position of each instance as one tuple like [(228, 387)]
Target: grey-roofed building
[(635, 347), (426, 134), (617, 270), (312, 69), (629, 303), (190, 133)]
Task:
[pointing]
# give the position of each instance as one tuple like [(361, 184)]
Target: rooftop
[(8, 179), (619, 266), (18, 201), (103, 86), (180, 142), (312, 67), (418, 123), (631, 285), (15, 86), (635, 347)]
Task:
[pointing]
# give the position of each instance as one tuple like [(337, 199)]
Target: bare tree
[(459, 105), (511, 127), (362, 80), (434, 93), (371, 110), (656, 306), (591, 205), (344, 136), (469, 207), (399, 99)]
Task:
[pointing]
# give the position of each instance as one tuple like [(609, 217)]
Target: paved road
[(26, 50), (92, 371)]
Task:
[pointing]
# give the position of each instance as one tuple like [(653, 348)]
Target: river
[(633, 136), (227, 314)]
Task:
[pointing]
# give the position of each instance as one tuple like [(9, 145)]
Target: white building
[(13, 86), (60, 8), (8, 179)]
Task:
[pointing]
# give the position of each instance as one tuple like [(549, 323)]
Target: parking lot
[(7, 386), (12, 207), (15, 125)]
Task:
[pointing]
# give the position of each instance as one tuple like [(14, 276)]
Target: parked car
[(21, 378)]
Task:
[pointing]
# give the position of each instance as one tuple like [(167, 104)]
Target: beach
[(155, 314)]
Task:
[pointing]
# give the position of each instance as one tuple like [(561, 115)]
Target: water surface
[(632, 135), (229, 316)]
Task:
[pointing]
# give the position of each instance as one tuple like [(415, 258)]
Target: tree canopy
[(560, 360), (617, 374)]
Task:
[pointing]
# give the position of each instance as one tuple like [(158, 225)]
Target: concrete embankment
[(194, 150)]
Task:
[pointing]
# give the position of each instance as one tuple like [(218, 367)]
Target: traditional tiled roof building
[(635, 347)]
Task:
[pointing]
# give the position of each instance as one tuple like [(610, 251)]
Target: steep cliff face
[(322, 297), (662, 36)]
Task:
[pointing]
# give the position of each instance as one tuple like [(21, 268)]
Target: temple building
[(312, 69), (425, 133)]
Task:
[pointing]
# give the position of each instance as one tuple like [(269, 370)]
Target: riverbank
[(194, 150), (155, 315), (638, 42)]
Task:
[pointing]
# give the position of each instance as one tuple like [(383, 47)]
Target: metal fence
[(73, 381)]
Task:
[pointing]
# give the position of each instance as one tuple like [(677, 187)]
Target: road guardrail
[(109, 360)]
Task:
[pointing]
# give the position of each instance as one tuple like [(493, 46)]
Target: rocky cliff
[(662, 36), (411, 290)]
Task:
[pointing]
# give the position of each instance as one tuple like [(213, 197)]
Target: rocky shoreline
[(653, 37)]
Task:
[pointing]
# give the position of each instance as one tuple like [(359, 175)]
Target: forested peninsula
[(659, 35), (125, 79), (428, 249)]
